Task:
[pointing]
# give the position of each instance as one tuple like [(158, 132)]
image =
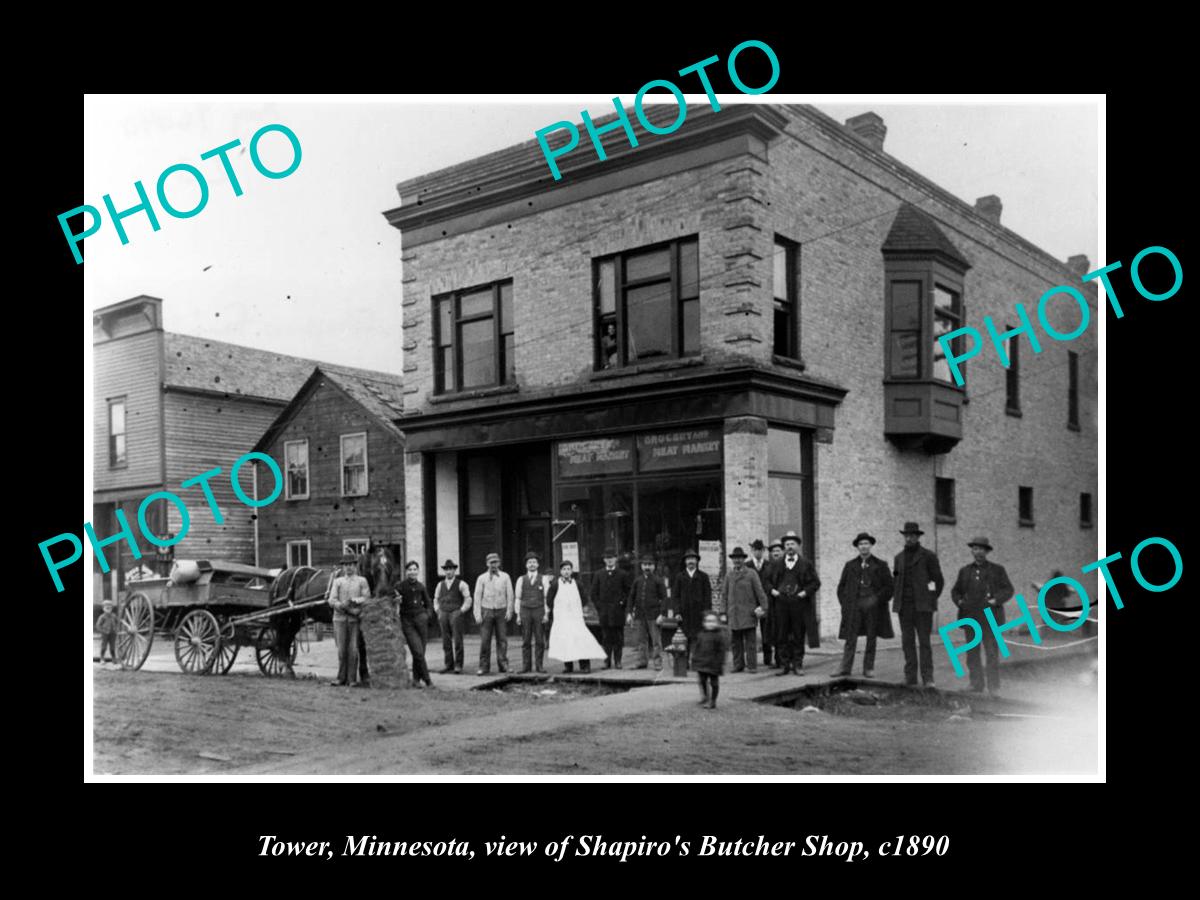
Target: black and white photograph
[(726, 433)]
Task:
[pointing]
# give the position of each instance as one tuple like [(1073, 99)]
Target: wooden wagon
[(225, 607)]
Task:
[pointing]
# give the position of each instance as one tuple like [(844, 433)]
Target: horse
[(299, 584)]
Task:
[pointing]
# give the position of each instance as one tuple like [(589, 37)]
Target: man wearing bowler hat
[(793, 583), (918, 584), (691, 598), (743, 605), (863, 592), (532, 613), (759, 563), (452, 599), (647, 600), (980, 585), (610, 591)]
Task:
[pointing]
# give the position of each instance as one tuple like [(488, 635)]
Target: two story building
[(168, 407), (723, 334)]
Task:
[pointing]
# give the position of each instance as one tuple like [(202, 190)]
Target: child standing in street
[(107, 626), (708, 658)]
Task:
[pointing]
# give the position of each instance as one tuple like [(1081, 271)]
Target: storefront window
[(675, 515), (789, 484), (593, 517)]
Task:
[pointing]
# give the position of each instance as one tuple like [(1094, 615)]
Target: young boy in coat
[(708, 658), (107, 626)]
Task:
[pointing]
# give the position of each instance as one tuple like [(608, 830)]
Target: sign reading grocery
[(600, 456), (679, 449)]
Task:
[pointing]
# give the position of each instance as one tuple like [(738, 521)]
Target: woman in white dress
[(570, 639)]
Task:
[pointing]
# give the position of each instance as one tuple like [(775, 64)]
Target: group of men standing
[(772, 597)]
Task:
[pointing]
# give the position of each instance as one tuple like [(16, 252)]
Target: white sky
[(307, 265)]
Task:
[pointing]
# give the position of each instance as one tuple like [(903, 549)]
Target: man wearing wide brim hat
[(792, 583), (452, 598), (864, 592), (691, 597), (742, 603), (918, 584), (982, 585)]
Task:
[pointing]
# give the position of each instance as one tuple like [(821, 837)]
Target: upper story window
[(943, 499), (1012, 376), (116, 432), (1072, 390), (786, 286), (354, 464), (647, 304), (947, 316), (473, 338), (299, 553), (1024, 506), (295, 455)]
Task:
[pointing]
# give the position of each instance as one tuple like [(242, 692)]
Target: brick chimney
[(989, 207), (1079, 264), (869, 128)]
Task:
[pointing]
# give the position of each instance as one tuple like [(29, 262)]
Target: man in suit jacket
[(919, 583), (758, 562), (792, 582), (743, 604), (980, 585), (647, 600), (691, 597), (864, 591), (610, 590)]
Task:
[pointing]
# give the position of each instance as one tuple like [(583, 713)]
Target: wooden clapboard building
[(343, 462), (169, 407)]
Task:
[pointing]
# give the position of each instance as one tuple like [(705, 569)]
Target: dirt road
[(168, 723)]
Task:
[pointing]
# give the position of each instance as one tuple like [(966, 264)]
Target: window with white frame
[(296, 459), (299, 553), (354, 546), (354, 464)]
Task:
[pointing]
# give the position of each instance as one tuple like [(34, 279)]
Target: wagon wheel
[(135, 623), (196, 641), (227, 651), (269, 661)]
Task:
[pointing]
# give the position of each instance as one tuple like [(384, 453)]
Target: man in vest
[(919, 583), (792, 583), (980, 585), (532, 613), (451, 600)]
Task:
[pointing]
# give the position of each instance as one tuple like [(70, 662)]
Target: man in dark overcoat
[(980, 585), (647, 601), (610, 590), (743, 603), (691, 598), (919, 583), (793, 583), (864, 591), (759, 562)]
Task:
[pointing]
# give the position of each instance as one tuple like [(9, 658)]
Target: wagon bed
[(209, 611)]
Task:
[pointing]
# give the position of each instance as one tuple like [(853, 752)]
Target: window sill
[(1011, 411), (1025, 523), (945, 520), (662, 365), (1086, 525), (290, 499), (1073, 426), (789, 362), (474, 394)]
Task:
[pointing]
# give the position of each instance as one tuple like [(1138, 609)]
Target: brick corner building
[(723, 334)]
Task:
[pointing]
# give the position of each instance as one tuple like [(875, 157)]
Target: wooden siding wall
[(327, 518), (205, 432), (129, 367)]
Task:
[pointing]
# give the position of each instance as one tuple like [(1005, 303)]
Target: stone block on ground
[(387, 653)]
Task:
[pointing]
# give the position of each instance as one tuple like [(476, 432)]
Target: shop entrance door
[(534, 534)]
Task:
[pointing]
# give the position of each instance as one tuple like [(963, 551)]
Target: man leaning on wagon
[(346, 595)]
